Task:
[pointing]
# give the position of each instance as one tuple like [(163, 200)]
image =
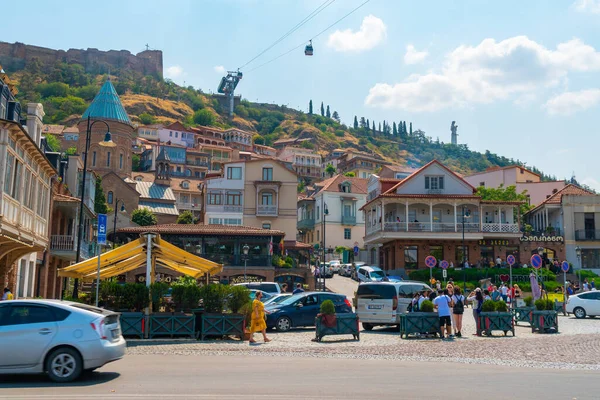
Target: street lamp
[(325, 213), (115, 220), (245, 250), (465, 214), (106, 143), (578, 253)]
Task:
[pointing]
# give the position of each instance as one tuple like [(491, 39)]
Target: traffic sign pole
[(565, 267), (511, 261), (101, 239)]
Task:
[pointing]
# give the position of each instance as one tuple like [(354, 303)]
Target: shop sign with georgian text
[(526, 238)]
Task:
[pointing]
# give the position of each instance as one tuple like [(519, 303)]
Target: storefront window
[(411, 256), (486, 255), (437, 252), (590, 258), (459, 255)]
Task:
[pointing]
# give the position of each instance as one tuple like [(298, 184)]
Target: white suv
[(267, 287)]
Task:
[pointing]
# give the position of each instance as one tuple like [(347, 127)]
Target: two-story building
[(342, 197), (422, 215), (238, 139), (149, 132), (362, 164), (177, 134), (519, 176), (224, 196), (306, 162)]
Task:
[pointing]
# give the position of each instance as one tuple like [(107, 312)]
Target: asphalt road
[(249, 377)]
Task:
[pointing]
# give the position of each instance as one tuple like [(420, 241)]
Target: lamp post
[(465, 214), (115, 220), (245, 250), (106, 143), (325, 213), (578, 253)]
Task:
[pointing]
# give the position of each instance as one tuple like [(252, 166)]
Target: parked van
[(381, 303), (370, 274)]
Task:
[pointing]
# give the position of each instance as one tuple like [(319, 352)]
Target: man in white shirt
[(442, 305), (498, 261), (504, 291)]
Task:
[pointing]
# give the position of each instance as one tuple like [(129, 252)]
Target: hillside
[(66, 90)]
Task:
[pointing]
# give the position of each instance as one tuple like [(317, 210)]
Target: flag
[(281, 246), (271, 248)]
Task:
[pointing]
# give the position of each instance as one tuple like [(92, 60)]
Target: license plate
[(116, 333), (375, 307)]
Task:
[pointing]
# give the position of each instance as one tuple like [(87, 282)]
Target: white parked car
[(345, 270), (584, 304), (267, 287), (370, 274), (60, 338)]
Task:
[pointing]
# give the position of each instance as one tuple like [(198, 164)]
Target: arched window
[(109, 198), (185, 184)]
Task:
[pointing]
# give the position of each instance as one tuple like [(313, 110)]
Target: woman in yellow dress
[(258, 323)]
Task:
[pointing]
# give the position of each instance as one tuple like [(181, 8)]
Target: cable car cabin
[(240, 75), (308, 50)]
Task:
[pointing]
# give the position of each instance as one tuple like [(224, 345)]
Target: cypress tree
[(328, 113), (411, 129), (404, 127), (322, 110), (355, 122), (310, 110)]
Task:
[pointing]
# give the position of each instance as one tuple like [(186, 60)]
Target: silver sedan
[(60, 338)]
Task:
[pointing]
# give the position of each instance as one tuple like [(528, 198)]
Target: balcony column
[(455, 218), (406, 211), (480, 218), (546, 212), (499, 215), (431, 216), (382, 212)]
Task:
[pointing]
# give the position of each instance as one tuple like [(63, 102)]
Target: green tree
[(404, 127), (380, 128), (328, 113), (204, 117), (147, 119), (135, 162), (185, 217), (100, 206), (336, 116), (53, 142), (310, 108), (54, 89), (143, 217), (394, 129), (373, 130), (508, 193), (410, 131), (330, 170), (322, 110), (257, 139), (355, 122), (350, 174), (71, 151)]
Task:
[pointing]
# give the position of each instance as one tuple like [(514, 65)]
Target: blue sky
[(521, 78)]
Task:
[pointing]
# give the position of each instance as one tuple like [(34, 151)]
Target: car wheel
[(579, 313), (367, 327), (283, 324), (64, 365)]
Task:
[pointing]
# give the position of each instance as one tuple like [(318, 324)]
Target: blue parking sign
[(102, 229)]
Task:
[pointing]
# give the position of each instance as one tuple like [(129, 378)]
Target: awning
[(134, 255)]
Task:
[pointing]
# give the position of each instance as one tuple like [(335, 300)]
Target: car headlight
[(271, 311)]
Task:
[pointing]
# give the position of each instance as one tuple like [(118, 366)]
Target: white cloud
[(372, 32), (219, 69), (486, 73), (413, 56), (591, 6), (571, 102), (174, 72)]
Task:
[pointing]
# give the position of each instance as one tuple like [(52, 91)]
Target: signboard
[(510, 260), (565, 266), (430, 261), (356, 250), (494, 242), (542, 239), (102, 229), (444, 273), (166, 278), (536, 261), (249, 278), (444, 264), (515, 278)]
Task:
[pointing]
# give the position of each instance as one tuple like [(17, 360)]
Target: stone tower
[(107, 107), (163, 168)]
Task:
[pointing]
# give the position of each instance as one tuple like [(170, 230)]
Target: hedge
[(474, 274)]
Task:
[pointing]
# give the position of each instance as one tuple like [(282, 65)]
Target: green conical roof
[(107, 105)]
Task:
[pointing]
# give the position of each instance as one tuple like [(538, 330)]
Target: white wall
[(26, 276), (452, 184)]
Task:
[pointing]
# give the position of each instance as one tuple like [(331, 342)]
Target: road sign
[(430, 261), (444, 264), (444, 273), (510, 260), (536, 261), (565, 266), (102, 229), (356, 250)]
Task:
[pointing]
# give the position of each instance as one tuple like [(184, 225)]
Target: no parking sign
[(430, 261)]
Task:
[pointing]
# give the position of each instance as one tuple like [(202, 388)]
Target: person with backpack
[(443, 304), (458, 310), (476, 297), (414, 303)]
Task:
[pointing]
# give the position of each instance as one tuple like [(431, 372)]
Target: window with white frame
[(234, 173), (434, 182)]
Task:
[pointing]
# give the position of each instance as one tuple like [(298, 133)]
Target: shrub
[(327, 307), (143, 217), (528, 301), (488, 306), (204, 117), (213, 297), (543, 304), (549, 305), (158, 290), (238, 297), (426, 306), (246, 311), (501, 306)]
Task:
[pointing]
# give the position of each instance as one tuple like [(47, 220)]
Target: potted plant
[(216, 298), (425, 321), (494, 316), (523, 313), (173, 321), (545, 317), (246, 311), (138, 298), (329, 323)]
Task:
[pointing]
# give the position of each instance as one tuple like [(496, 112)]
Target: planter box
[(419, 322), (132, 324), (545, 321), (345, 324), (222, 325), (559, 306), (523, 314), (172, 324), (495, 321)]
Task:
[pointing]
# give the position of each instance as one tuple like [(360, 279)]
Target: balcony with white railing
[(500, 228), (65, 246), (266, 210), (224, 208)]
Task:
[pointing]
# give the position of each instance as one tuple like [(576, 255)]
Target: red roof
[(556, 198), (359, 185)]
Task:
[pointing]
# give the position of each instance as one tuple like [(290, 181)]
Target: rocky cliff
[(14, 57)]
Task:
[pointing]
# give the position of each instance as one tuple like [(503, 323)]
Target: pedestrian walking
[(7, 295), (258, 323), (438, 285), (476, 298), (298, 289), (442, 304), (504, 292), (458, 310)]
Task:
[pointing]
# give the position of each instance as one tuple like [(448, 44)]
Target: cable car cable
[(314, 37), (310, 16)]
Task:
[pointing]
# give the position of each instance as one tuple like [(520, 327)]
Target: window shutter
[(426, 182)]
